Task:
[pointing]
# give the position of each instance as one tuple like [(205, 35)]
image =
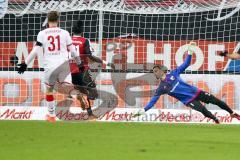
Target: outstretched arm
[(234, 55), (98, 60), (187, 61), (36, 49), (150, 104), (93, 58)]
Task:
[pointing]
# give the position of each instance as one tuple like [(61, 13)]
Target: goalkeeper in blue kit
[(172, 84)]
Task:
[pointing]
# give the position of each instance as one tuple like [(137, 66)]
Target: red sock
[(49, 98)]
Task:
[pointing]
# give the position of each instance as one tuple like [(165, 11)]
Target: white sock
[(51, 108)]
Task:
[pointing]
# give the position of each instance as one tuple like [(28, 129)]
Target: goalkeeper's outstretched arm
[(160, 91), (187, 62), (150, 104)]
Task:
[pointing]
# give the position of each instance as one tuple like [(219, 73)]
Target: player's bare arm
[(234, 55), (98, 60)]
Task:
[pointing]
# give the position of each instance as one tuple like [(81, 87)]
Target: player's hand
[(138, 113), (22, 68), (191, 47), (223, 53), (111, 65)]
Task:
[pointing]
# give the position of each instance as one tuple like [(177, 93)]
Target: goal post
[(134, 35)]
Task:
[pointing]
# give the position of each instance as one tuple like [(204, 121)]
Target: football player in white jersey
[(56, 44)]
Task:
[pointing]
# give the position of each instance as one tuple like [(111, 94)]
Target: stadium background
[(161, 34), (154, 34)]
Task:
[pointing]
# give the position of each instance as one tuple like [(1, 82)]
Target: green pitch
[(37, 140)]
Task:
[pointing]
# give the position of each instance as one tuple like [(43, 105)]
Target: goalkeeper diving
[(191, 96)]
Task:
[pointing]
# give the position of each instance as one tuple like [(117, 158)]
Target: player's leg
[(64, 84), (86, 105), (82, 101), (50, 76), (209, 98), (91, 85), (81, 82), (77, 82), (50, 102), (92, 91), (196, 105)]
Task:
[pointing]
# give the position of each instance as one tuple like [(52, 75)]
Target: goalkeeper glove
[(191, 47), (223, 53), (22, 68), (138, 113)]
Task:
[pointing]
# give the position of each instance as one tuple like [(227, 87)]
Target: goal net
[(132, 34)]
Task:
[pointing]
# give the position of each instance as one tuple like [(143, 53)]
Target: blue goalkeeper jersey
[(174, 86)]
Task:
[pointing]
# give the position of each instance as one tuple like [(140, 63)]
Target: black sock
[(89, 111), (208, 114)]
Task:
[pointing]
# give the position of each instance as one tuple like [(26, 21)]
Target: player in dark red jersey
[(81, 76)]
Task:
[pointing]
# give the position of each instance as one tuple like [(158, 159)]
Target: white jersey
[(55, 42)]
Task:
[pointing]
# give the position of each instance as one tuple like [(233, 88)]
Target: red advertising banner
[(129, 52)]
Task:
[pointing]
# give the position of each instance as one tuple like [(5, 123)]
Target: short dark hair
[(53, 16), (78, 27), (161, 67)]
